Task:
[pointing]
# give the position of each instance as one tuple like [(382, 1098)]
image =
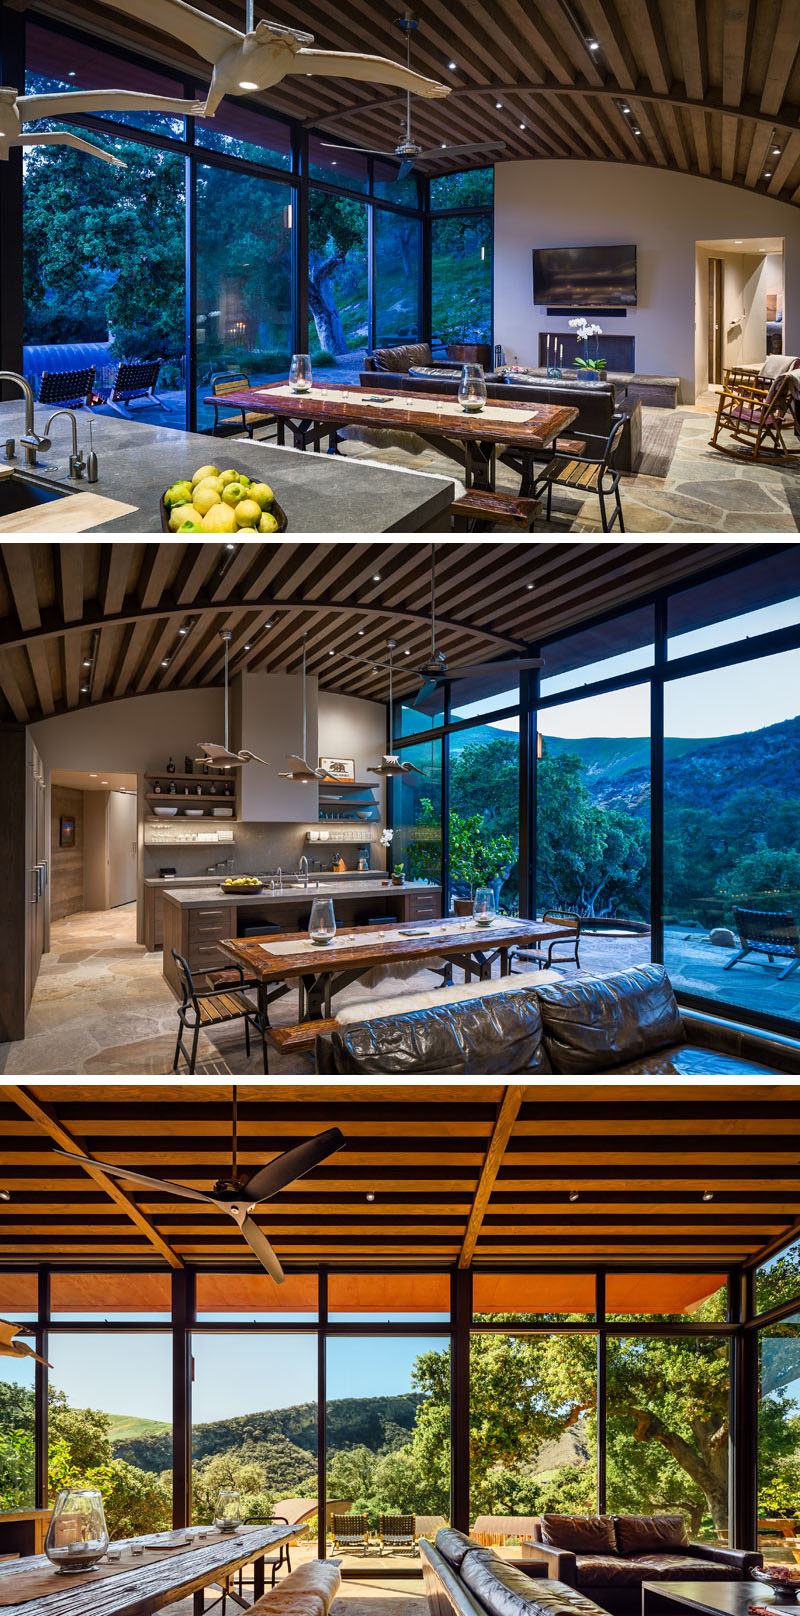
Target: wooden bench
[(303, 1035), (479, 507)]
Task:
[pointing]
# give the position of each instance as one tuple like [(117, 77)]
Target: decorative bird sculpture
[(302, 771), (390, 764), (16, 110), (266, 53), (11, 1348)]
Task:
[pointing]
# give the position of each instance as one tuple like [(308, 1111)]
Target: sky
[(233, 1374)]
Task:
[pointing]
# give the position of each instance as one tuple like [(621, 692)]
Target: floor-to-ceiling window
[(777, 1284), (461, 257), (417, 814), (338, 277), (397, 278), (18, 1301)]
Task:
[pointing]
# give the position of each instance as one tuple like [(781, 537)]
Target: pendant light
[(390, 764), (222, 756), (301, 771)]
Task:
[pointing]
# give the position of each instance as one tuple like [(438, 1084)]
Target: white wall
[(135, 736), (562, 204)]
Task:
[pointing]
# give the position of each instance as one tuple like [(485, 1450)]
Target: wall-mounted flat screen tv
[(585, 277)]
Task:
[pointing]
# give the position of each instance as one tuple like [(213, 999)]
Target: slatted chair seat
[(586, 474), (350, 1532), (398, 1532), (212, 1007), (233, 382)]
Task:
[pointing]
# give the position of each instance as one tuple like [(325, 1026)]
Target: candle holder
[(483, 906), (322, 925), (472, 389), (77, 1536), (228, 1511), (300, 373)]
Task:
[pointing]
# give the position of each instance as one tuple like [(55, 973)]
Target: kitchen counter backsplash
[(259, 848)]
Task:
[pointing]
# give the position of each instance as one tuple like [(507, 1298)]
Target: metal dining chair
[(211, 1007), (585, 474)]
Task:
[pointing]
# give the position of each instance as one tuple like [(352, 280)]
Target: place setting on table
[(142, 1573)]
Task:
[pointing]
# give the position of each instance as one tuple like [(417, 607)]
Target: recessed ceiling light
[(268, 625), (625, 108), (452, 66), (104, 782), (499, 105), (768, 175), (71, 73), (708, 1195), (370, 1195), (573, 1195), (247, 84), (361, 633), (183, 630), (5, 1195), (331, 653), (529, 586), (92, 776), (738, 242), (592, 45), (230, 547), (87, 662), (776, 151), (247, 648), (444, 145), (376, 577), (335, 163), (637, 131), (522, 126), (406, 653), (84, 690)]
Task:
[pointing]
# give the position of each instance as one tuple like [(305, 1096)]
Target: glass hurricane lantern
[(472, 389), (322, 924), (483, 906), (300, 373), (228, 1510), (77, 1536)]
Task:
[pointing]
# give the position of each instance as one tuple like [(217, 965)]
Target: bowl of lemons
[(243, 883), (214, 501)]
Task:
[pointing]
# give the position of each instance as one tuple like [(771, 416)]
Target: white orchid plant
[(585, 330), (387, 837)]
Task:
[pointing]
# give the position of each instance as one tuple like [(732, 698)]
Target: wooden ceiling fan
[(234, 1193)]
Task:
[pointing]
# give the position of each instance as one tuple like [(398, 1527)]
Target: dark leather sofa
[(626, 1022), (463, 1579), (597, 405), (608, 1557)]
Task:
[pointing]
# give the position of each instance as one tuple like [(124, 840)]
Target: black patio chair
[(233, 382), (398, 1532), (770, 932), (135, 383), (350, 1532), (210, 1008), (585, 474), (72, 389)]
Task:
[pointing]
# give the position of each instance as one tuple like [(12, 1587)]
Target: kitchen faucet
[(280, 878), (31, 441), (77, 464), (302, 871)]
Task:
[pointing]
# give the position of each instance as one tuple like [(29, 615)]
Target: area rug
[(661, 430)]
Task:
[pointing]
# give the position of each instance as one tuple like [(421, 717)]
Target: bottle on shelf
[(188, 765), (171, 767), (157, 789)]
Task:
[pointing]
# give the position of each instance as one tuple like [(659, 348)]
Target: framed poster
[(66, 831), (339, 768)]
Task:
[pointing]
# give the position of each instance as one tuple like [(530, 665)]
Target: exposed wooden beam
[(507, 1114), (50, 1126)]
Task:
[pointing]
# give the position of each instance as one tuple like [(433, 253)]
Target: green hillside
[(125, 1427)]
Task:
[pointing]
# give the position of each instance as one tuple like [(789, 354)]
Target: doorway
[(716, 308), (121, 848)]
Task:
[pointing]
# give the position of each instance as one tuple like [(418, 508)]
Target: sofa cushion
[(638, 1534), (401, 359), (503, 1590), (583, 1534), (609, 1570), (601, 1022), (680, 1568), (500, 1034), (453, 1545), (689, 1060)]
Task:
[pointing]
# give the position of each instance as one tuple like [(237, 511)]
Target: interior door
[(715, 317), (121, 848)]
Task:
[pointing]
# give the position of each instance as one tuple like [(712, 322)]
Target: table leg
[(258, 1577), (198, 1601), (280, 437)]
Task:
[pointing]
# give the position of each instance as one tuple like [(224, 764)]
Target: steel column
[(461, 1308), (183, 1308)]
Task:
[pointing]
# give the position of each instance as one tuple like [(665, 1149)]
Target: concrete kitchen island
[(320, 493), (196, 918)]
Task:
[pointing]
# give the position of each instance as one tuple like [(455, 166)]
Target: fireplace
[(619, 352)]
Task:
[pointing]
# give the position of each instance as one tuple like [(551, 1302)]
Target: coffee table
[(709, 1598)]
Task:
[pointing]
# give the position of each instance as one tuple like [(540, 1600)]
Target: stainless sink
[(18, 493)]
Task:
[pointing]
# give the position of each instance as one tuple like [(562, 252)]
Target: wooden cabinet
[(195, 935), (420, 905)]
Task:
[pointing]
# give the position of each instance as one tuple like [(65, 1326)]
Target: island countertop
[(320, 493), (202, 897), (334, 876)]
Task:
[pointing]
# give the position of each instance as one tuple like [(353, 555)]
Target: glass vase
[(228, 1510), (322, 925), (483, 906), (301, 376), (472, 389), (77, 1536)]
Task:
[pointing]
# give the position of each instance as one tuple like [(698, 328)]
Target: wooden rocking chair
[(756, 411)]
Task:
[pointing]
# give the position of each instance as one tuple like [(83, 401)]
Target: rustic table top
[(529, 426), (148, 1586), (365, 949)]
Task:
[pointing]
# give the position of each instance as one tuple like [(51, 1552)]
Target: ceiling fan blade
[(462, 670), (368, 151), (258, 1242), (292, 1164), (425, 690), (472, 149), (405, 169), (161, 1184)]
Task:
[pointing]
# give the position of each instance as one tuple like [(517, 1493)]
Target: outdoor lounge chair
[(135, 382), (398, 1532), (764, 931), (71, 389), (756, 411), (350, 1532)]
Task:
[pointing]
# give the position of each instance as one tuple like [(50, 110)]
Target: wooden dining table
[(470, 439), (322, 971), (140, 1587)]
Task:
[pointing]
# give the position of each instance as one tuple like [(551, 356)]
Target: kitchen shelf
[(188, 797), (195, 819), (352, 800), (216, 774)]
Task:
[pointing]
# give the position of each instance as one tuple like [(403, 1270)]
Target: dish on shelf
[(163, 811), (222, 813), (193, 813)]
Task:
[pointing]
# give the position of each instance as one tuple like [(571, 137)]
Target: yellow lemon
[(209, 482), (233, 494), (247, 513), (205, 471), (205, 499), (268, 523), (178, 494), (226, 477), (243, 479), (219, 519), (262, 493), (192, 524), (177, 515)]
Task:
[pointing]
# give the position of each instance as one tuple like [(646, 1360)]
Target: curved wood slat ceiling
[(88, 623), (712, 85), (470, 1178)]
